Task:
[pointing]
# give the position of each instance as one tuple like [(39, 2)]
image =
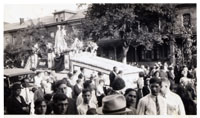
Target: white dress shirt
[(174, 104), (83, 108), (80, 99), (147, 105)]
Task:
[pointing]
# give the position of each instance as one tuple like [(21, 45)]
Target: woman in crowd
[(40, 106), (131, 99), (17, 104)]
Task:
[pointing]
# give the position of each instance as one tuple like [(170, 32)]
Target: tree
[(186, 56), (26, 38), (131, 24)]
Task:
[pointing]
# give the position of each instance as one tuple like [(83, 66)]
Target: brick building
[(112, 49)]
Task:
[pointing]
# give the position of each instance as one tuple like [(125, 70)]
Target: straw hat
[(113, 104)]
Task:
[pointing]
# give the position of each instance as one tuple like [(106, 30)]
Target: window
[(148, 55), (186, 20)]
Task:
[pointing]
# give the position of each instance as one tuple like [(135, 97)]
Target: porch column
[(135, 54), (115, 53), (172, 53)]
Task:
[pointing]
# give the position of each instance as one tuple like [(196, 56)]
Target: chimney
[(21, 20)]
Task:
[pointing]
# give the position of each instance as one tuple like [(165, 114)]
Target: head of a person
[(75, 72), (141, 74), (80, 76), (16, 89), (82, 70), (33, 89), (79, 82), (155, 85), (46, 73), (165, 64), (61, 87), (115, 69), (159, 63), (118, 84), (170, 68), (113, 105), (86, 94), (40, 106), (174, 87), (91, 111), (101, 82), (131, 96), (60, 103), (165, 86), (161, 67), (88, 85), (185, 72), (47, 97), (59, 27), (142, 66), (43, 83), (25, 82), (156, 74), (37, 73), (70, 75), (92, 77), (100, 74)]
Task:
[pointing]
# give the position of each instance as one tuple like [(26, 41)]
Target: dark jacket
[(15, 107), (76, 91), (112, 77)]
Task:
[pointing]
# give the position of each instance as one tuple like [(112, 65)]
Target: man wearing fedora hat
[(114, 105), (153, 103)]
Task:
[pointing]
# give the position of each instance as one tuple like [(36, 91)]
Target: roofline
[(65, 11), (50, 24)]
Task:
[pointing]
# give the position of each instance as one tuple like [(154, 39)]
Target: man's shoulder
[(111, 72), (174, 95), (80, 106), (145, 98)]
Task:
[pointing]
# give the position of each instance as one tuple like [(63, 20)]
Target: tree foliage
[(22, 47), (133, 24), (138, 24)]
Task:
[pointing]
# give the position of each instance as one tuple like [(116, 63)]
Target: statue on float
[(60, 43)]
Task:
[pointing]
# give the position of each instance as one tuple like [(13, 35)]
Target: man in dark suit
[(113, 75), (82, 74)]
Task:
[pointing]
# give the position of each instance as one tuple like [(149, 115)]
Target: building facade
[(64, 17), (112, 49)]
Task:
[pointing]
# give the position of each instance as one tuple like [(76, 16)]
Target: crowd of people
[(161, 90)]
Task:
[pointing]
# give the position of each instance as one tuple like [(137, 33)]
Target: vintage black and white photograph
[(100, 59)]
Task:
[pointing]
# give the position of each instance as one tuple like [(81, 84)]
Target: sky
[(12, 12)]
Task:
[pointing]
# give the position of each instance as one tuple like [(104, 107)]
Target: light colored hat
[(113, 104)]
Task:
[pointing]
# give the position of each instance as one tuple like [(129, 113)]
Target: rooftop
[(47, 20)]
